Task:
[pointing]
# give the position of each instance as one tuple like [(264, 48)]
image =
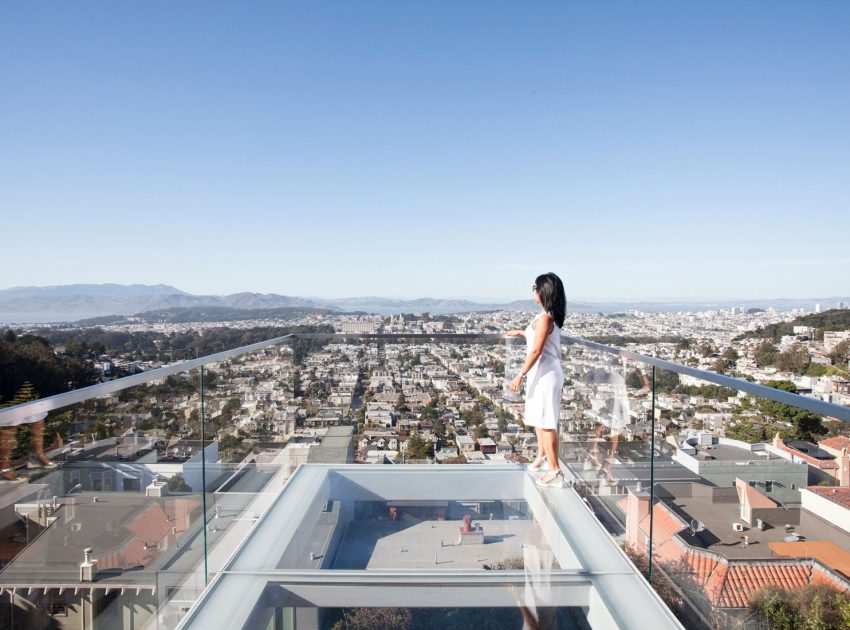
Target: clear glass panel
[(738, 495), (606, 428), (250, 414), (106, 524), (747, 519)]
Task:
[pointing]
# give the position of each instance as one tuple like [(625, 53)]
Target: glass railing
[(229, 486)]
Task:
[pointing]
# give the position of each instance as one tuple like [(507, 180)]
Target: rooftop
[(838, 442), (130, 535), (841, 496), (716, 509), (336, 447), (729, 453), (827, 553), (807, 448)]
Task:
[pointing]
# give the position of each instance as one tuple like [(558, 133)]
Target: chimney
[(88, 567), (636, 510), (156, 489)]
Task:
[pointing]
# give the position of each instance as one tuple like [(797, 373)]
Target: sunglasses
[(534, 287)]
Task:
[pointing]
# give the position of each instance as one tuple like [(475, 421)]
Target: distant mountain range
[(83, 301), (183, 315)]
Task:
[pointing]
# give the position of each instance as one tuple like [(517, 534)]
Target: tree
[(805, 423), (23, 436), (440, 430), (815, 606), (473, 416), (418, 448), (480, 432), (796, 359), (666, 381), (375, 619), (745, 430), (841, 353), (178, 484), (720, 366), (100, 430), (765, 353), (634, 380), (30, 358)]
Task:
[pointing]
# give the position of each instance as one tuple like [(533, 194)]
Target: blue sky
[(443, 149)]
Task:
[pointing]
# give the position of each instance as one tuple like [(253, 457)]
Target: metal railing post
[(651, 478), (204, 475)]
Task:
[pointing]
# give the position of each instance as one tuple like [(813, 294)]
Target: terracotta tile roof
[(821, 576), (731, 586), (838, 442), (665, 523), (701, 566), (825, 552), (841, 496)]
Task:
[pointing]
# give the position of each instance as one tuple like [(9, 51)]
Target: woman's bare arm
[(542, 329)]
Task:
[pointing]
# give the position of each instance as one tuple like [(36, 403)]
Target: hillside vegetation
[(832, 320)]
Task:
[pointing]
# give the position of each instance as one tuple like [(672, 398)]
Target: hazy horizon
[(470, 298)]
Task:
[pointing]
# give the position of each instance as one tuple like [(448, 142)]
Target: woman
[(545, 374)]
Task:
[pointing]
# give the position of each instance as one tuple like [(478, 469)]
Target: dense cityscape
[(408, 396)]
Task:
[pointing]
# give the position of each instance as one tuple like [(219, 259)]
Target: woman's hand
[(517, 382), (515, 333)]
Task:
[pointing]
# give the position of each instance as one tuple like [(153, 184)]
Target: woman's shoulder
[(551, 317)]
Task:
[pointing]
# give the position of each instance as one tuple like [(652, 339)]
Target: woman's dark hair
[(552, 296)]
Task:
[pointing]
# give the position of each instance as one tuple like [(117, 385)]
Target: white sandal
[(555, 482), (543, 465)]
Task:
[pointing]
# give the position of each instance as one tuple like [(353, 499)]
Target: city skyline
[(651, 151)]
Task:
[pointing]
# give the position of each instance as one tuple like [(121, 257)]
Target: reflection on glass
[(515, 354), (108, 533)]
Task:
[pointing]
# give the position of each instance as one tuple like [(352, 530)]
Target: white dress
[(545, 380)]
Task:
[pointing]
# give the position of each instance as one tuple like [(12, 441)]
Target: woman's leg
[(37, 431), (539, 461), (552, 434), (550, 440), (7, 445)]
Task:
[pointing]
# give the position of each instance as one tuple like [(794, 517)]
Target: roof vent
[(88, 567)]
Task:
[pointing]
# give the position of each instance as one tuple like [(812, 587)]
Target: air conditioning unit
[(737, 527)]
